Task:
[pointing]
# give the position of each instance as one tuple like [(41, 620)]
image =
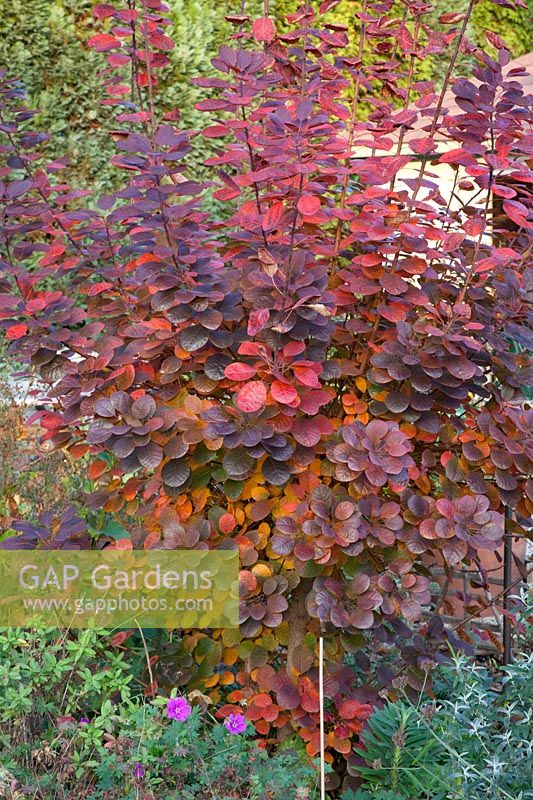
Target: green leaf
[(113, 530)]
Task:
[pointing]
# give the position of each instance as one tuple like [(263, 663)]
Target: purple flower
[(138, 772), (178, 708), (235, 723), (84, 721)]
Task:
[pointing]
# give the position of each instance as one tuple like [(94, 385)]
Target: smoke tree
[(329, 378)]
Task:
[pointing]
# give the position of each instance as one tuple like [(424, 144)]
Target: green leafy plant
[(397, 750), (362, 794), (473, 743), (75, 722)]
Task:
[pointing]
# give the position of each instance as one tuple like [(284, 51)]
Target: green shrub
[(43, 42), (397, 751), (486, 725)]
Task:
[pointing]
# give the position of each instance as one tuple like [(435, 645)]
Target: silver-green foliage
[(487, 729), (474, 743)]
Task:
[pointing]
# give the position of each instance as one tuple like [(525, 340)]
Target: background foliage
[(74, 722), (43, 42)]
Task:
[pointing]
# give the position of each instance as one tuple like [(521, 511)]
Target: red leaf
[(252, 397), (351, 709), (308, 205), (237, 19), (474, 226), (263, 29), (283, 392), (249, 349), (495, 40), (226, 194), (214, 132), (327, 5), (293, 349), (102, 42), (17, 331), (127, 15), (152, 538), (120, 637), (97, 288), (310, 402), (161, 41), (451, 241), (121, 544), (272, 216), (394, 313), (257, 321), (53, 253), (451, 17), (306, 376), (101, 10), (310, 700), (517, 212), (227, 523), (503, 191), (422, 146), (239, 372), (306, 432)]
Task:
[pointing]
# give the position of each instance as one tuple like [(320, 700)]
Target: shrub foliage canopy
[(330, 378)]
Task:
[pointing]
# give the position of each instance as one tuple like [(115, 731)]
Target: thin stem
[(322, 731)]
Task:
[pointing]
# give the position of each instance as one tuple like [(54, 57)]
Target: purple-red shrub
[(331, 378)]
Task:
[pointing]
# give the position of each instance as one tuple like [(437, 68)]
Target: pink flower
[(235, 723), (178, 708)]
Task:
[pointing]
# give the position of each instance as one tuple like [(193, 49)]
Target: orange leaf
[(230, 656), (16, 331), (78, 451), (121, 544), (262, 727), (96, 468)]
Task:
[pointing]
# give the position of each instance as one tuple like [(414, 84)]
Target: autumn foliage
[(329, 379)]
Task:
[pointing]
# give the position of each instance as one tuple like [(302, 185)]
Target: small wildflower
[(138, 772), (83, 721), (235, 723), (178, 708)]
